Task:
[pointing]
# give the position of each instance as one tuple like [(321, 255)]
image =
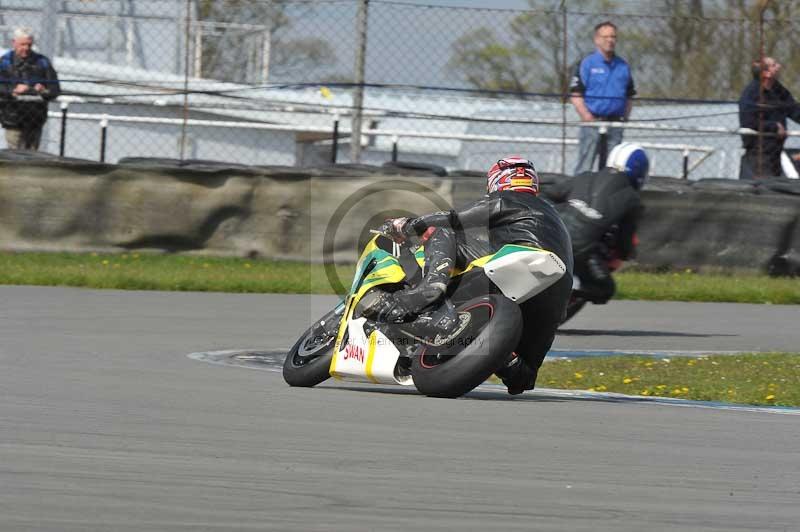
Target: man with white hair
[(27, 83)]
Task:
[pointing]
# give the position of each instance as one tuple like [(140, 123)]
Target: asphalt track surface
[(106, 424)]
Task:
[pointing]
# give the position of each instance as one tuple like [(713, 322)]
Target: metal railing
[(337, 133), (104, 48)]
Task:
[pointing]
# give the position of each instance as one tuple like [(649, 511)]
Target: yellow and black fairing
[(470, 280), (377, 266), (383, 263)]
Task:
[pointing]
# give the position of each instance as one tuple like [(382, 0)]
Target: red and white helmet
[(513, 173)]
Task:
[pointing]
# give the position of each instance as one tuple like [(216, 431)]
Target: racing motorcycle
[(486, 293)]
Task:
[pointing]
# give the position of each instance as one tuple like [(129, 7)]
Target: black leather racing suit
[(484, 227), (596, 207)]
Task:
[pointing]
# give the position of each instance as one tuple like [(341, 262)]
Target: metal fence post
[(395, 140), (335, 145), (602, 147), (360, 66), (686, 164), (63, 138), (103, 137)]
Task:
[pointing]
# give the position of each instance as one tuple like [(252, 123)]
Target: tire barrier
[(207, 207), (202, 207)]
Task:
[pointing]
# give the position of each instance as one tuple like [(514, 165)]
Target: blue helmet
[(630, 159)]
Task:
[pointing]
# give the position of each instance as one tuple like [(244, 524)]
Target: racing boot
[(386, 308), (517, 375), (439, 325), (421, 304), (407, 304)]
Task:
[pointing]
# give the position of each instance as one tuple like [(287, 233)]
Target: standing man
[(764, 106), (601, 89), (27, 83)]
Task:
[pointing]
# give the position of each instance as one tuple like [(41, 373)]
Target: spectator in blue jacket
[(27, 83), (601, 90)]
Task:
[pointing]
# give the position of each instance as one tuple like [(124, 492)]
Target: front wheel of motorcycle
[(453, 369), (308, 361)]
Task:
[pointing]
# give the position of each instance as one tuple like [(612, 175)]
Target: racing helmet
[(631, 160), (513, 173)]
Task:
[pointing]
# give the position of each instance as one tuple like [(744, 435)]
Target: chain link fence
[(268, 82)]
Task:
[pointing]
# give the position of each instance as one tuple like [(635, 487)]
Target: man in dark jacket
[(601, 211), (764, 106), (27, 83), (511, 213)]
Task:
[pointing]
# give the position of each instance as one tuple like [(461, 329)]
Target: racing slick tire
[(308, 361), (453, 369)]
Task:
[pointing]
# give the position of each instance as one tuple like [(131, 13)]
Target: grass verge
[(691, 286), (146, 271), (755, 379)]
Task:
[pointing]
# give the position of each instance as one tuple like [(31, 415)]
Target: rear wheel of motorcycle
[(575, 304), (468, 360), (308, 361)]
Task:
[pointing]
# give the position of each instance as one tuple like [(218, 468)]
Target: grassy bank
[(754, 379), (144, 271), (690, 286), (141, 271)]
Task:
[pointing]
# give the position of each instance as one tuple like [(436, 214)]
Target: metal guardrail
[(337, 132)]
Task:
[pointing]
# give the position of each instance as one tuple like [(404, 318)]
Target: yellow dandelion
[(578, 375), (627, 380), (676, 391), (645, 392), (770, 397), (105, 262), (691, 363), (649, 364), (601, 388), (685, 389), (661, 386)]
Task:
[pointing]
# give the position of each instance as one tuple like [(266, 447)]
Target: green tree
[(527, 55), (699, 49)]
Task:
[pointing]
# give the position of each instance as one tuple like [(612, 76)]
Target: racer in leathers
[(511, 213), (601, 210)]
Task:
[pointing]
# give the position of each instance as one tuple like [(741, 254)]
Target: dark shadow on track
[(624, 333), (483, 394)]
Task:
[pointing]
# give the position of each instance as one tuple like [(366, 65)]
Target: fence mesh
[(265, 82)]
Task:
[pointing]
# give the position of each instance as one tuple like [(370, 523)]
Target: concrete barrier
[(203, 207), (278, 213)]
